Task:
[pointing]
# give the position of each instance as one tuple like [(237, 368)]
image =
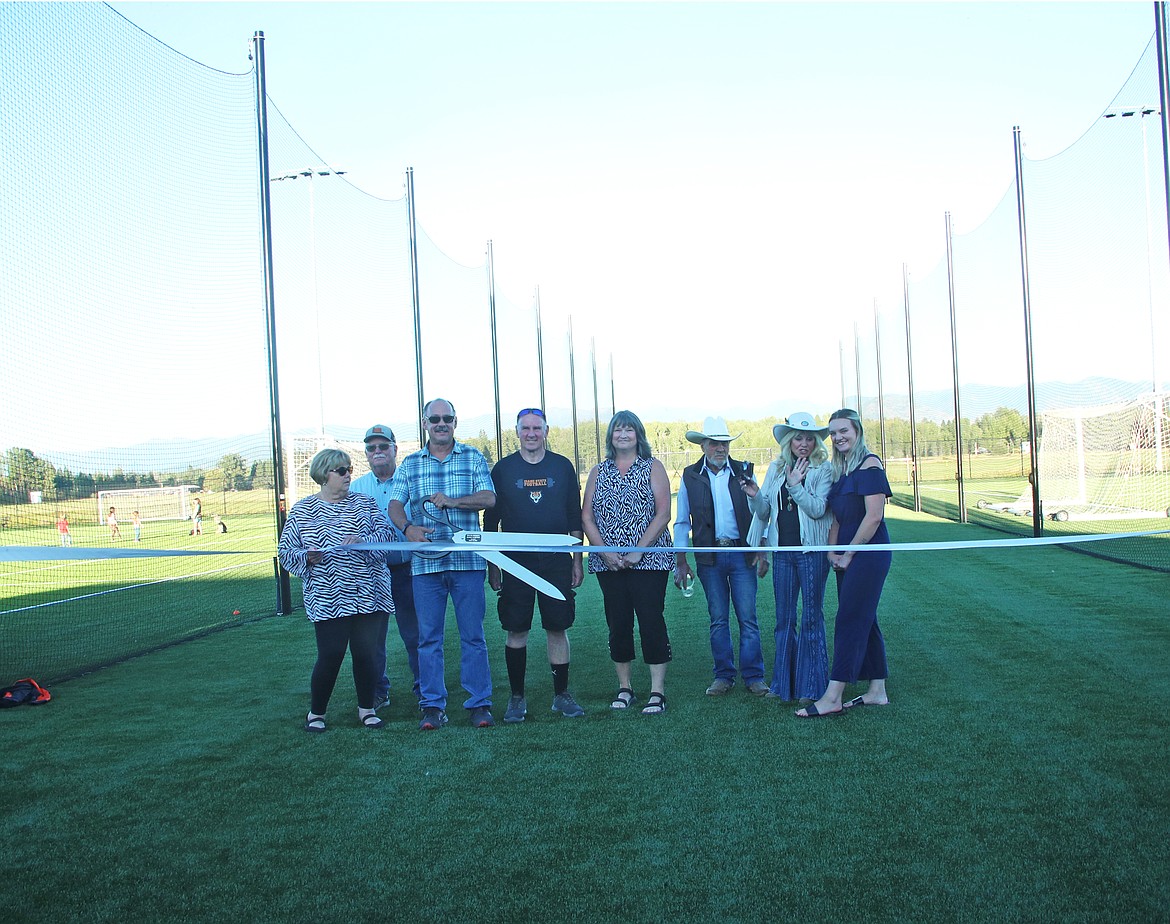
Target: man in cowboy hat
[(713, 509)]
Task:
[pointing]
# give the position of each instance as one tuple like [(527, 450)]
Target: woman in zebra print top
[(347, 593), (627, 503)]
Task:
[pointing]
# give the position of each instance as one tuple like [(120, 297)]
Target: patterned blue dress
[(859, 651)]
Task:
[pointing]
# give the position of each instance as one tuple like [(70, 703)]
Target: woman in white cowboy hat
[(790, 510)]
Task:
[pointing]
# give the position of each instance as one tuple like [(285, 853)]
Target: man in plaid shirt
[(454, 477)]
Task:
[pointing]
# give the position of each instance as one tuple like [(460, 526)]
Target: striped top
[(342, 583), (623, 506)]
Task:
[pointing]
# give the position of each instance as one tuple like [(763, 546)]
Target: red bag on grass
[(25, 692)]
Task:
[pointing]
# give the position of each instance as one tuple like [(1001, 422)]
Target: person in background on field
[(713, 508), (791, 509), (136, 519), (220, 525), (857, 499), (63, 529), (537, 491), (112, 523), (197, 518), (382, 457), (627, 503), (347, 593), (454, 478)]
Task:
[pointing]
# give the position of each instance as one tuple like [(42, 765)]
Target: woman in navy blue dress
[(858, 501)]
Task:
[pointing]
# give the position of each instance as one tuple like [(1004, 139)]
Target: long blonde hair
[(816, 457), (844, 464)]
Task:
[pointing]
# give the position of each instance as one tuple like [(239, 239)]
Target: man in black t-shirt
[(537, 491)]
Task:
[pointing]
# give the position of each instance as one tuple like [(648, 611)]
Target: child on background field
[(63, 529), (137, 520), (112, 522)]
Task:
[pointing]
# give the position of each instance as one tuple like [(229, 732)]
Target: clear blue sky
[(696, 184)]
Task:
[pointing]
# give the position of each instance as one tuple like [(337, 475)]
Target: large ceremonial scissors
[(476, 540)]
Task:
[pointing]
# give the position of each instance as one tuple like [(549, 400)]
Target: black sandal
[(315, 724), (624, 699), (655, 704), (371, 720)]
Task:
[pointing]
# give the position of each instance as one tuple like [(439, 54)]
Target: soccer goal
[(151, 503), (1108, 462), (298, 484)]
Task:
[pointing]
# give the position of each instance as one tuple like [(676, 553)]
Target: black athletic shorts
[(517, 599)]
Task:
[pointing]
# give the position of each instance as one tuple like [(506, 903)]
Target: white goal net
[(173, 503), (1107, 462)]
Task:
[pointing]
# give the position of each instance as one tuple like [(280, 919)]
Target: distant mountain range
[(977, 400)]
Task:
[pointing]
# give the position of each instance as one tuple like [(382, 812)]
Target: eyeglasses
[(446, 418), (531, 410), (377, 447), (342, 470)]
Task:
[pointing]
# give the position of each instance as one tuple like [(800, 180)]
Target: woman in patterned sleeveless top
[(627, 503)]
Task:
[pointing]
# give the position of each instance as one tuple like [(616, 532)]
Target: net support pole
[(881, 395), (857, 364), (612, 389), (841, 367), (596, 403), (1160, 29), (955, 372), (573, 398), (1033, 443), (910, 385), (540, 354), (412, 222), (491, 274), (283, 582)]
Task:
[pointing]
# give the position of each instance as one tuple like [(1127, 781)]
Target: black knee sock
[(560, 674), (517, 661)]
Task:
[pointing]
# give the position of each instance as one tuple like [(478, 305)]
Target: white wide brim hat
[(803, 422), (714, 428)]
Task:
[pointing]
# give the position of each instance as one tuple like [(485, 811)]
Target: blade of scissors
[(537, 539), (504, 563)]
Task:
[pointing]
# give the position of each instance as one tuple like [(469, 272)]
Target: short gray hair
[(325, 461)]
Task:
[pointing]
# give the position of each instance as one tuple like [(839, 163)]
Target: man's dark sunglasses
[(531, 410), (446, 418)]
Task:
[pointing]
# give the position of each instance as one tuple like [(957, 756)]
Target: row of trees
[(22, 473), (1001, 431)]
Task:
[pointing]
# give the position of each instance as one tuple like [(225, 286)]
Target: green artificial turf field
[(1019, 774)]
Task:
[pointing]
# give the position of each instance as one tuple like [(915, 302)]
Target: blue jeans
[(465, 588), (402, 587), (731, 580), (801, 669)]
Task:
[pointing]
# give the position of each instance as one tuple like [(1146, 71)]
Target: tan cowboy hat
[(714, 428), (802, 421)]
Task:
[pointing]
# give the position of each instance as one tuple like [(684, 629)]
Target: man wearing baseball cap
[(382, 456), (713, 509)]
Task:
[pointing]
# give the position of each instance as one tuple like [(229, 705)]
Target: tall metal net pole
[(596, 404), (412, 221), (540, 352), (491, 269), (877, 348), (857, 364), (955, 372), (573, 397), (1033, 442), (1160, 29), (910, 384), (283, 583)]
